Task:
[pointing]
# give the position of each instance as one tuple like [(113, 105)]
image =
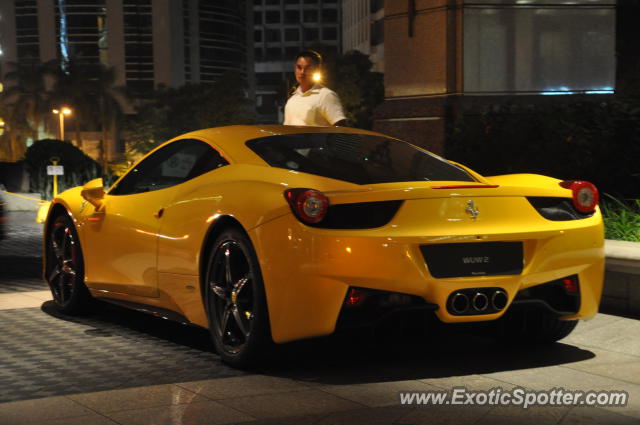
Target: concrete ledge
[(621, 293)]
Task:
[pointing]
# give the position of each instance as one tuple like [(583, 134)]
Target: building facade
[(147, 42), (441, 54), (282, 28), (363, 29)]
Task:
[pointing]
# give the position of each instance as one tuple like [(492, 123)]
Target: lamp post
[(61, 113)]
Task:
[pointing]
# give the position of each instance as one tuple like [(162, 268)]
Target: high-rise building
[(282, 28), (363, 29), (148, 42)]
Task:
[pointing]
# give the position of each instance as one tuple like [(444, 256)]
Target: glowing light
[(64, 39), (348, 249), (565, 90), (599, 92), (317, 76)]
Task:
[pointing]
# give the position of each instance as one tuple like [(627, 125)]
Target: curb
[(621, 292)]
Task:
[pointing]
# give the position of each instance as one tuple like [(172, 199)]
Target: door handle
[(158, 214)]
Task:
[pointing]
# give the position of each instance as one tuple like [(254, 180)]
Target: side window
[(173, 164)]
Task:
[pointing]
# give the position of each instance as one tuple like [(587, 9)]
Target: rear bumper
[(307, 271)]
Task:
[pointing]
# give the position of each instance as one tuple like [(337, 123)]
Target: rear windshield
[(356, 158)]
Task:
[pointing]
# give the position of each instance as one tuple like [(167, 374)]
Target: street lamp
[(61, 113)]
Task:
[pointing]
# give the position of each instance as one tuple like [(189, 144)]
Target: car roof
[(231, 140)]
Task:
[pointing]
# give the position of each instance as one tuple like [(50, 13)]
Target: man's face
[(305, 69)]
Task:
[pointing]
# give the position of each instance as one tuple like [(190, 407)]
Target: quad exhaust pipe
[(477, 301), (460, 303)]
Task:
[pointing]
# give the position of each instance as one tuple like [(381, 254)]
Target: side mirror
[(93, 192)]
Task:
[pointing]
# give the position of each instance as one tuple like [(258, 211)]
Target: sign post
[(55, 170)]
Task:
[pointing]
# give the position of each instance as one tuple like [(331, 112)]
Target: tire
[(65, 267), (533, 327), (236, 301)]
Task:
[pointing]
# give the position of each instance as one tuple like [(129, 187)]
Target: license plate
[(473, 259)]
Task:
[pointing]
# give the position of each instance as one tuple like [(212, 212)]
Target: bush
[(78, 167), (584, 139), (621, 219)]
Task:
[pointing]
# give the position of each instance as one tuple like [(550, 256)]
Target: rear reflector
[(355, 297), (571, 284)]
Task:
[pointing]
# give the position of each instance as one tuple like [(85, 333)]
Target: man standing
[(312, 103)]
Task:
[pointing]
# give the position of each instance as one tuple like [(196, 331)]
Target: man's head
[(307, 64)]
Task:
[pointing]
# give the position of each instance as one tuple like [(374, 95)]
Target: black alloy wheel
[(236, 303), (65, 267)]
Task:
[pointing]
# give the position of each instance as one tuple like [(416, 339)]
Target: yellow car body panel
[(149, 248)]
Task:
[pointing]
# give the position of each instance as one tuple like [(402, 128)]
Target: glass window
[(257, 35), (356, 158), (535, 49), (274, 53), (257, 18), (273, 35), (292, 34), (272, 17), (268, 78), (291, 52), (291, 16), (310, 16), (377, 32), (330, 33), (330, 15), (175, 163), (311, 34)]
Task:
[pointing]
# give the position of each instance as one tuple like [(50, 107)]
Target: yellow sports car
[(272, 234)]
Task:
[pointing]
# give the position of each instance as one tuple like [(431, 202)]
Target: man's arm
[(332, 109)]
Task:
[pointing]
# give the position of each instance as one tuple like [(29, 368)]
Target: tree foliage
[(360, 89), (78, 167), (26, 101), (582, 139), (173, 111), (87, 88)]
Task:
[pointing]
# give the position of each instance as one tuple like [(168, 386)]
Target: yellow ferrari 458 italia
[(272, 234)]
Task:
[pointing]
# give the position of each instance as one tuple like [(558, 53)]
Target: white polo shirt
[(318, 106)]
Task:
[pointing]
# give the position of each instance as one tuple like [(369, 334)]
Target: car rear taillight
[(585, 195), (309, 205)]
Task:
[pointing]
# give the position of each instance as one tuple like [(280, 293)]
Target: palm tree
[(88, 88), (109, 107), (27, 94), (73, 88), (15, 128)]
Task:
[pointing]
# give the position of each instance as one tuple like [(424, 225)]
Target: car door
[(123, 236)]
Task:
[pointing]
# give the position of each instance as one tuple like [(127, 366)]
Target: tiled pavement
[(120, 367), (20, 254)]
